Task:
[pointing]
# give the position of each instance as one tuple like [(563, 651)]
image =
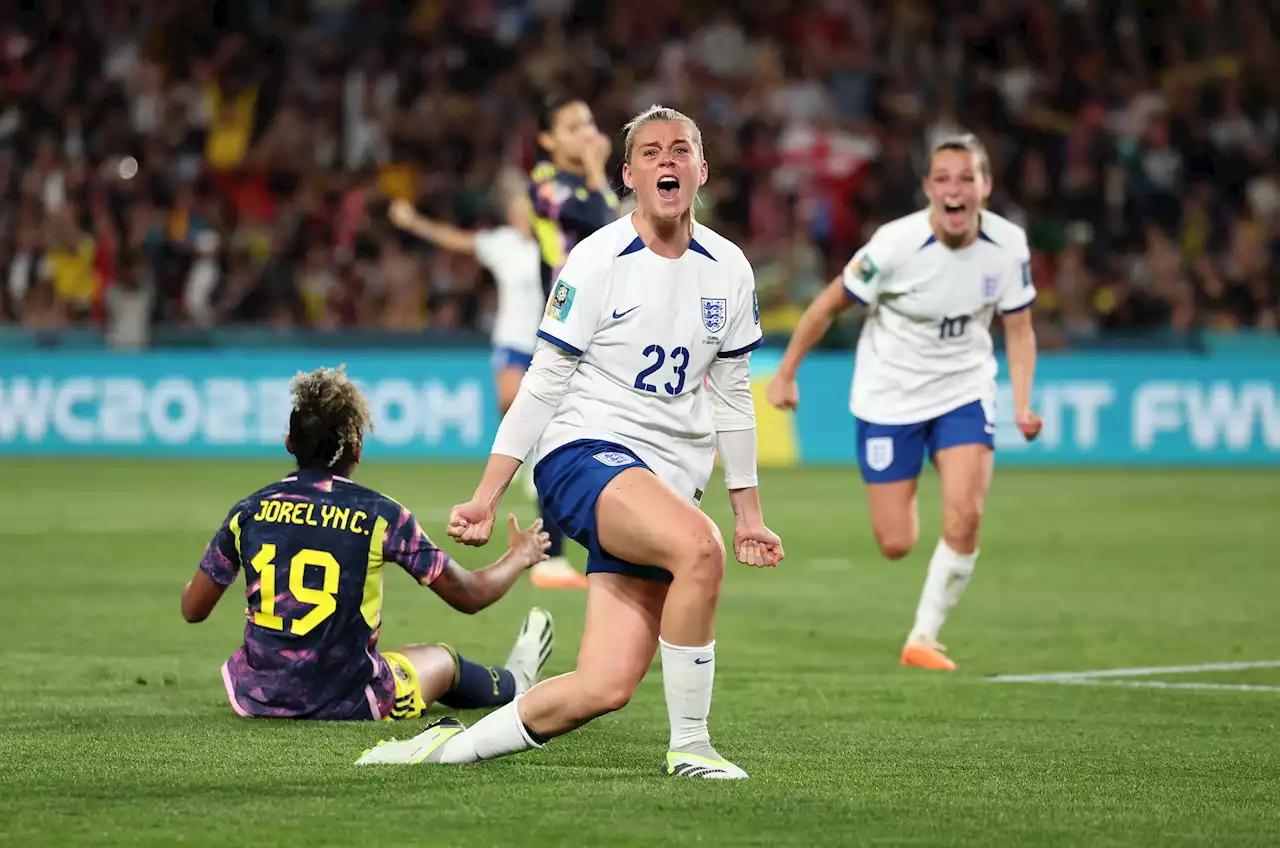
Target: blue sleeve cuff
[(560, 343), (729, 354), (853, 296), (1026, 305)]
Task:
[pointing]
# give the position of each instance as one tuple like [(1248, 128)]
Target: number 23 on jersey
[(657, 356)]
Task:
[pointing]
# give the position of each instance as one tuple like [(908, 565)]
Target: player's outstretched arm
[(447, 236), (472, 591), (540, 393), (814, 324), (733, 414), (1020, 350)]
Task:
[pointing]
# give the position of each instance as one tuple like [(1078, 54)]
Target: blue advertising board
[(425, 404), (1100, 408), (1221, 409)]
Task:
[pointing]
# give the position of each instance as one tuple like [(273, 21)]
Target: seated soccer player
[(313, 546)]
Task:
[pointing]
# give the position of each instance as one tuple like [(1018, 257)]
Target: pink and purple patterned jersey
[(313, 546), (565, 212)]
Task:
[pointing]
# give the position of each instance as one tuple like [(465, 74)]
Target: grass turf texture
[(117, 729)]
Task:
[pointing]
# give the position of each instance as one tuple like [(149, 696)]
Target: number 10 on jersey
[(953, 328), (679, 362)]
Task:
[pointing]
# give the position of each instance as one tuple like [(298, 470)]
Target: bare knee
[(704, 557), (895, 542), (896, 537), (893, 517), (960, 525)]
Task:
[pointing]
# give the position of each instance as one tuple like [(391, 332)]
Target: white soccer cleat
[(532, 648), (706, 763), (413, 751)]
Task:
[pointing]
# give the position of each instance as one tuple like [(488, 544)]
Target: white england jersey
[(646, 330), (926, 348), (515, 262)]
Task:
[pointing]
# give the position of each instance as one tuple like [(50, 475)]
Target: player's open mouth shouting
[(669, 187)]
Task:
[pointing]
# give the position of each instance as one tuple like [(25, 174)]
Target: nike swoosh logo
[(701, 661), (990, 428), (617, 314)]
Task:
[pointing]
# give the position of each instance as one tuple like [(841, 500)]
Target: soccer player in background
[(925, 372), (513, 257), (313, 547), (571, 200), (640, 375)]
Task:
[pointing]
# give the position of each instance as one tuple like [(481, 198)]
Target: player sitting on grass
[(313, 546)]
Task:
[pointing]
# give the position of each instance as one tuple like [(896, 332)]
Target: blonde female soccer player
[(925, 374), (626, 434)]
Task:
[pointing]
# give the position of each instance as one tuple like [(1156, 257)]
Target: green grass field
[(117, 730)]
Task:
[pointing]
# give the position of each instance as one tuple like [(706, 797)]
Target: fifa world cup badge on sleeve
[(755, 307), (713, 309), (561, 301), (865, 269)]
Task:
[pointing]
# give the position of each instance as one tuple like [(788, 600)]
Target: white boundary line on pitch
[(1113, 677)]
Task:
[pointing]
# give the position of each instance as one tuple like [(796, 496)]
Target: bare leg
[(894, 518)]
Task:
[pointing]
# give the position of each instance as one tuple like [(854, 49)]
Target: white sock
[(498, 734), (949, 573), (687, 678)]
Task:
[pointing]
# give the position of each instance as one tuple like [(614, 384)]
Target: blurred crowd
[(209, 163)]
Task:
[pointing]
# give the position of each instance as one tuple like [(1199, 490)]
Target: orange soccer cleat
[(922, 654), (557, 573)]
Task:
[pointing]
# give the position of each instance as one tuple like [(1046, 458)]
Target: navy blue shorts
[(891, 452), (569, 481), (509, 357)]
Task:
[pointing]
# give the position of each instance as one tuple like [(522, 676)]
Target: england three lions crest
[(713, 313)]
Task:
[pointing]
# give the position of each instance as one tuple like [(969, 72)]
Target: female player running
[(512, 255), (925, 375), (313, 547), (626, 436), (571, 200)]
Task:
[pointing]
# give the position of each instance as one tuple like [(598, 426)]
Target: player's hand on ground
[(783, 393), (1029, 423), (471, 523), (402, 213), (529, 546), (757, 546)]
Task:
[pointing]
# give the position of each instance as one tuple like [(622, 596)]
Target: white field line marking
[(1115, 677), (1164, 684), (1074, 676)]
